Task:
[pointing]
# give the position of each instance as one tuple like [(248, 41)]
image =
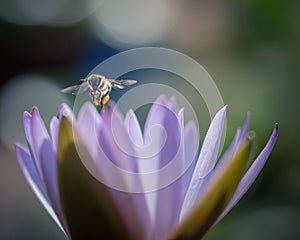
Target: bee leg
[(105, 99), (99, 108)]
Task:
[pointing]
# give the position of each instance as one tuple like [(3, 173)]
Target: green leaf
[(215, 198), (89, 209)]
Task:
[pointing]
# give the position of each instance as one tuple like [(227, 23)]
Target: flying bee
[(99, 87)]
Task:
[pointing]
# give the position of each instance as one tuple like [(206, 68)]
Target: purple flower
[(100, 176)]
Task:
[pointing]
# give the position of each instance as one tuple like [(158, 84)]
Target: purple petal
[(115, 140), (32, 177), (39, 134), (191, 143), (48, 160), (206, 161), (239, 138), (172, 104), (154, 140), (89, 125), (252, 172), (154, 136), (148, 154), (100, 136), (122, 153), (154, 116), (54, 129), (245, 128), (167, 215), (134, 129), (65, 110), (136, 136), (225, 157), (210, 148), (27, 128)]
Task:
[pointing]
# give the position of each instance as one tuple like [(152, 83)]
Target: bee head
[(93, 77)]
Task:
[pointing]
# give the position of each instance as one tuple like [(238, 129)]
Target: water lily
[(144, 201)]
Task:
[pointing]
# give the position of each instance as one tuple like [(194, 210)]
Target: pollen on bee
[(96, 102), (105, 99)]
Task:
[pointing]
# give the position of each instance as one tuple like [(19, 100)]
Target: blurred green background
[(250, 48)]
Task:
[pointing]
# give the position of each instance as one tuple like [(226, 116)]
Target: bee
[(99, 87)]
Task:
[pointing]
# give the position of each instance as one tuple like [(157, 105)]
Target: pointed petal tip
[(110, 109), (87, 104), (130, 113), (161, 99), (27, 114), (34, 110), (88, 107), (54, 118), (63, 105), (173, 98), (275, 130), (64, 118), (64, 110), (181, 111), (247, 121), (252, 172), (17, 146), (111, 104), (19, 149), (248, 117), (223, 109), (251, 136)]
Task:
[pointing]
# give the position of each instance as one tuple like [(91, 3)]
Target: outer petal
[(245, 128), (252, 172), (27, 128), (49, 168), (207, 160), (34, 181), (239, 138), (216, 196), (39, 135), (47, 159), (210, 148)]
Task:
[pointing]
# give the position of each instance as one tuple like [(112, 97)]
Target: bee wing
[(121, 83), (76, 89)]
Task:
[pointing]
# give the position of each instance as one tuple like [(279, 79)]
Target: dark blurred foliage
[(250, 48)]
